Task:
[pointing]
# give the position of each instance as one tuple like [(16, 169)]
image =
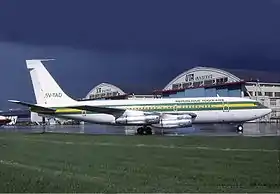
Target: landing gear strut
[(239, 128), (144, 131)]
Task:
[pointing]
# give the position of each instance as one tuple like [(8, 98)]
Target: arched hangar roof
[(200, 76), (104, 90)]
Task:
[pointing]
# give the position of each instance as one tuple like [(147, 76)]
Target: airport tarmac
[(250, 129)]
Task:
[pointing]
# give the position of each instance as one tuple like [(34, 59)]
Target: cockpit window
[(260, 105)]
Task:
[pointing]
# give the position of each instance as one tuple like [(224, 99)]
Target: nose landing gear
[(239, 129)]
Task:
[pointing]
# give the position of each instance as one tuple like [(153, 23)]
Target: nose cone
[(265, 111), (268, 111)]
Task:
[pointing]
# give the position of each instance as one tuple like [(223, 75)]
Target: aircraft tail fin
[(46, 90)]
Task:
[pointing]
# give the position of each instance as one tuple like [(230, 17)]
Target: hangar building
[(207, 82), (109, 91)]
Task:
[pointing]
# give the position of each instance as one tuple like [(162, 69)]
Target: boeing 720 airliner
[(147, 114)]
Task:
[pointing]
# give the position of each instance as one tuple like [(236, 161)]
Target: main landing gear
[(239, 128), (144, 130)]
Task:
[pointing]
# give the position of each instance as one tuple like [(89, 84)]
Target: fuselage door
[(175, 107), (225, 106)]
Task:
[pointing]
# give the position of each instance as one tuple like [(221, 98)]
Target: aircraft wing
[(98, 109), (34, 107), (119, 111)]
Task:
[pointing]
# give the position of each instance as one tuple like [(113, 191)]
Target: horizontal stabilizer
[(33, 107), (97, 109)]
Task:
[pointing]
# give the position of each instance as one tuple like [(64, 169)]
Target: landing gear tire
[(144, 131), (239, 129), (149, 131), (140, 131)]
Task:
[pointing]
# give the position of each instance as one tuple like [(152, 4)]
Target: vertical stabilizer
[(46, 90)]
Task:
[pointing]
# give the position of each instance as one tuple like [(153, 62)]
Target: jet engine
[(138, 118), (174, 121)]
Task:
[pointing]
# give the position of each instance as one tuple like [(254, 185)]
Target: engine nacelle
[(138, 119), (174, 121)]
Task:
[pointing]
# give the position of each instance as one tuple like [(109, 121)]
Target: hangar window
[(277, 94), (251, 93), (197, 84), (92, 96), (186, 85), (208, 82), (272, 102), (246, 93), (98, 90), (176, 86), (221, 80), (273, 114), (268, 93)]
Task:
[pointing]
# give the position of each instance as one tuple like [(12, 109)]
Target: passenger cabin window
[(260, 105)]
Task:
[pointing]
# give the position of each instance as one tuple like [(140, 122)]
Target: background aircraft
[(7, 120)]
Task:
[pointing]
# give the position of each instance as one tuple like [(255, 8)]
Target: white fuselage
[(225, 115)]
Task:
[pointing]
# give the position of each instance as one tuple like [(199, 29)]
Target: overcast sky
[(136, 45)]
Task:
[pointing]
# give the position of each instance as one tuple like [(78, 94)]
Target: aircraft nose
[(267, 111)]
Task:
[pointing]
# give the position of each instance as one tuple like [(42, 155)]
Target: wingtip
[(14, 101)]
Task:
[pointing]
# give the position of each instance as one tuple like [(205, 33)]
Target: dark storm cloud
[(173, 26), (137, 45)]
